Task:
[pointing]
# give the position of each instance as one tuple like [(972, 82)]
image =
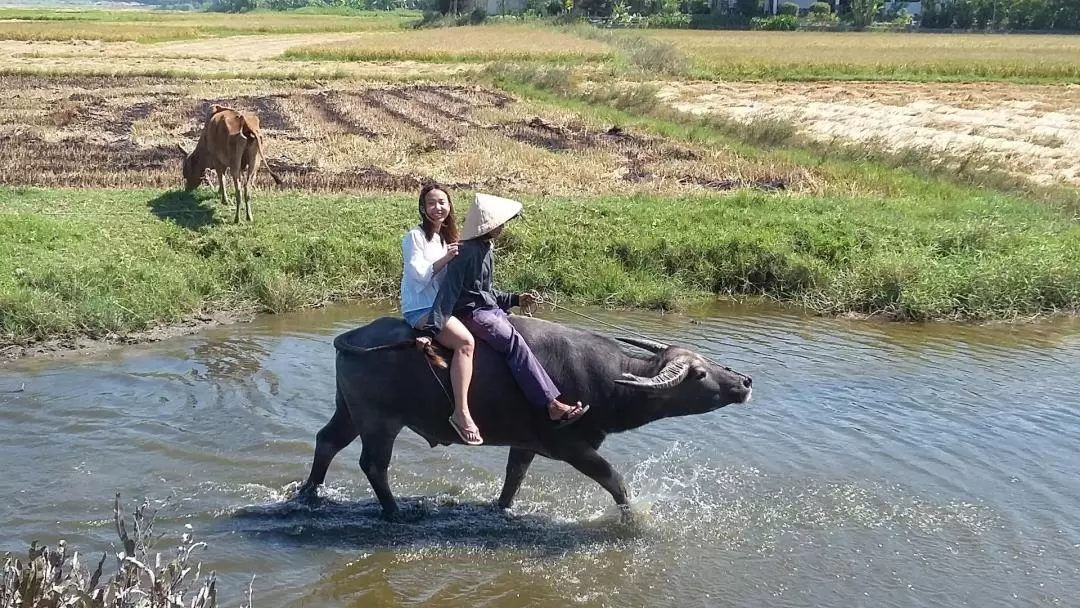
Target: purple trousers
[(492, 326)]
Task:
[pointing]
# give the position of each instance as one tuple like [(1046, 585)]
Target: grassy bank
[(89, 262)]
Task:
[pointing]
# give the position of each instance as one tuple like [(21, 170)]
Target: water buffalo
[(380, 392)]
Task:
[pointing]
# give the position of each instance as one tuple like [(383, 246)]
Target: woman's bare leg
[(457, 338)]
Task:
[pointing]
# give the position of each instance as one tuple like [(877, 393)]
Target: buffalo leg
[(591, 463), (331, 439), (375, 462), (517, 464)]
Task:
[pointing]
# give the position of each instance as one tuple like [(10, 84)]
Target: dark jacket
[(466, 286)]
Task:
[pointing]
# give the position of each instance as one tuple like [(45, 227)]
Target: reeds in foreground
[(57, 578)]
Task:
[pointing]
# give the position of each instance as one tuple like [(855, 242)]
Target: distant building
[(504, 7)]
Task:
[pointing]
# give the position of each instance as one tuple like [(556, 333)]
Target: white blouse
[(419, 282)]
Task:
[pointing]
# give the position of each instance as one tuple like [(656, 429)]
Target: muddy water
[(878, 465)]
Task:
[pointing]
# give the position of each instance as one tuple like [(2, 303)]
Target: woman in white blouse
[(426, 250)]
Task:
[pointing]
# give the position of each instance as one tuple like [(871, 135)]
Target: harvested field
[(1029, 130), (100, 131)]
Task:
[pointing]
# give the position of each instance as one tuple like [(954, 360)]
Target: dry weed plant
[(57, 578)]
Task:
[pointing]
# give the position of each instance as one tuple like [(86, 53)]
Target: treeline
[(1002, 14), (1028, 15), (240, 6), (1039, 15)]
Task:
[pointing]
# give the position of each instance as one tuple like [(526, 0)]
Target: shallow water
[(877, 465)]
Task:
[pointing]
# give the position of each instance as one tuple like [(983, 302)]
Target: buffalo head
[(192, 174), (686, 382)]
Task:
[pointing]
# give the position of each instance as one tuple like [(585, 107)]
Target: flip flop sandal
[(567, 420), (461, 433)]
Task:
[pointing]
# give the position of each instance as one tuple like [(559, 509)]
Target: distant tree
[(863, 12), (232, 6), (748, 8)]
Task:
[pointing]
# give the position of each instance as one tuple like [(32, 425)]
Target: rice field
[(156, 26), (444, 45), (876, 55)]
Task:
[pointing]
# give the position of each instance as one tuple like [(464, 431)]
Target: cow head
[(688, 383), (192, 174)]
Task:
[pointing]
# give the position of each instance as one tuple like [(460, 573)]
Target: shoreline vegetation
[(59, 576), (848, 229)]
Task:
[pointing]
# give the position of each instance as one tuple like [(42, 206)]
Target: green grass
[(88, 262)]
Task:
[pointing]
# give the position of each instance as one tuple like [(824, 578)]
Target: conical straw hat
[(487, 213)]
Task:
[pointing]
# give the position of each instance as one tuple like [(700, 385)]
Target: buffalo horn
[(672, 374), (650, 345)]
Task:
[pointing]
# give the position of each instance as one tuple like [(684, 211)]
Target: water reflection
[(228, 358)]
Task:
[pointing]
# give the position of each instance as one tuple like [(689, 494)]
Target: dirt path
[(1033, 128), (254, 55)]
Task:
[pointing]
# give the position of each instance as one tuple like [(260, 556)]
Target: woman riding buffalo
[(466, 292), (426, 251)]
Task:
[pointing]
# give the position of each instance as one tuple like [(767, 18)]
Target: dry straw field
[(119, 132), (1030, 130)]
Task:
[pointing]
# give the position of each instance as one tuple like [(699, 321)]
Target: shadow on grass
[(186, 209)]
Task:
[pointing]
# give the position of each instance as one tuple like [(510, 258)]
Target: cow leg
[(221, 185), (591, 463), (237, 161), (331, 439), (375, 461), (517, 464), (247, 195), (236, 193)]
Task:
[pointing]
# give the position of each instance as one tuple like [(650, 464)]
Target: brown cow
[(230, 140)]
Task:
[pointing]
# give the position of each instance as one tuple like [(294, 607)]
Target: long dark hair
[(449, 230)]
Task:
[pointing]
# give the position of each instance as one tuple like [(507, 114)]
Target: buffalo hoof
[(308, 494)]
